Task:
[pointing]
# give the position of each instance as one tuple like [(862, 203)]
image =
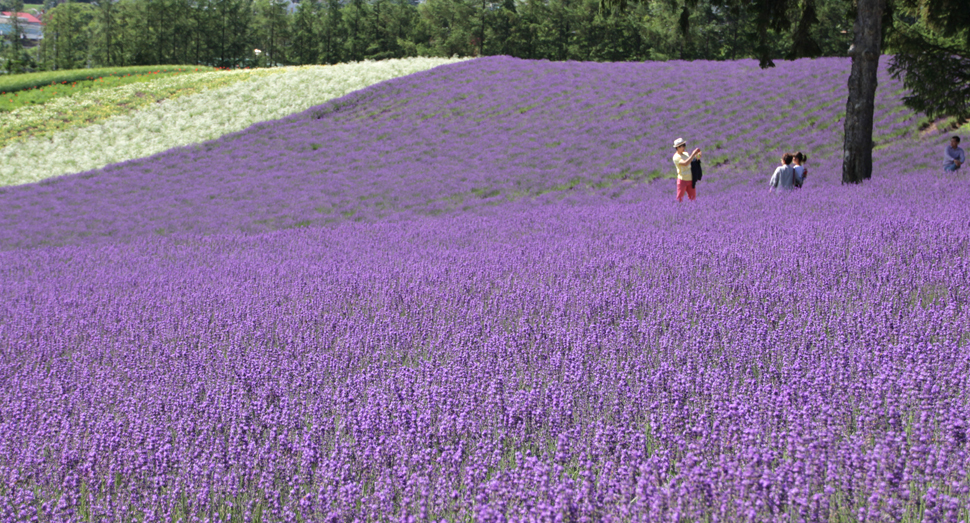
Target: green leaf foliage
[(930, 43)]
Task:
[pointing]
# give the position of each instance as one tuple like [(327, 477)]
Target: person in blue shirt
[(953, 156)]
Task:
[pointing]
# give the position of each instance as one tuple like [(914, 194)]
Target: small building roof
[(26, 17)]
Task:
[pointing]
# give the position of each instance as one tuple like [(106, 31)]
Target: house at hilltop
[(31, 28)]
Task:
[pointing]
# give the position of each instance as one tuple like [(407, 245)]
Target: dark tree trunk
[(865, 51), (481, 37)]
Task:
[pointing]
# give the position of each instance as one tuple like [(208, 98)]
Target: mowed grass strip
[(10, 101), (92, 106), (22, 82)]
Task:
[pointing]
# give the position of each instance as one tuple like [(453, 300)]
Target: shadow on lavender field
[(597, 353)]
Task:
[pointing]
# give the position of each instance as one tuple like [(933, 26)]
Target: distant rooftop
[(26, 17)]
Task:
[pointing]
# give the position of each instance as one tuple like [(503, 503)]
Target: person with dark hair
[(799, 159), (953, 156), (685, 178), (784, 176)]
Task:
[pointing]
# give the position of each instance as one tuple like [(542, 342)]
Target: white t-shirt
[(783, 178)]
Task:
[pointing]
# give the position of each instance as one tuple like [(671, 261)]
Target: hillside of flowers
[(455, 137), (91, 130), (486, 327)]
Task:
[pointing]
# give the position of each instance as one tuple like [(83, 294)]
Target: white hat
[(678, 142)]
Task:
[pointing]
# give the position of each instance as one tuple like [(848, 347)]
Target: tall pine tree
[(931, 40), (15, 57)]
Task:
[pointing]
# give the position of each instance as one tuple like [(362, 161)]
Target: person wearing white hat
[(682, 162)]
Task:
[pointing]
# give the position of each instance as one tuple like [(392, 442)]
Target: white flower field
[(180, 121)]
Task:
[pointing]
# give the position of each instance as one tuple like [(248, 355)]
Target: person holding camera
[(682, 160)]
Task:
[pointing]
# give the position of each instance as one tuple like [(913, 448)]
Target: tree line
[(930, 39), (248, 33)]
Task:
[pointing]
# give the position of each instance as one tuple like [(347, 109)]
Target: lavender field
[(468, 295)]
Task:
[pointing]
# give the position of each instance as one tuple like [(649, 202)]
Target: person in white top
[(682, 161), (784, 175)]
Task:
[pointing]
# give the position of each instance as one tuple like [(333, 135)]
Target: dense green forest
[(246, 33)]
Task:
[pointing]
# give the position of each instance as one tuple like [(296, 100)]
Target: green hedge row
[(21, 82)]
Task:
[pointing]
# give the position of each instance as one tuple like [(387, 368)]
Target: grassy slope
[(21, 82), (39, 95)]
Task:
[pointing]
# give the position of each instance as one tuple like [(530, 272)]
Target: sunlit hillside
[(467, 294)]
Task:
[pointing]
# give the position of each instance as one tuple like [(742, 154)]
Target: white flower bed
[(195, 118)]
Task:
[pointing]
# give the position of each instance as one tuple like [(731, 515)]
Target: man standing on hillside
[(682, 162), (953, 156)]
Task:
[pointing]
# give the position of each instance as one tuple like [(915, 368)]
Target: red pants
[(685, 186)]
